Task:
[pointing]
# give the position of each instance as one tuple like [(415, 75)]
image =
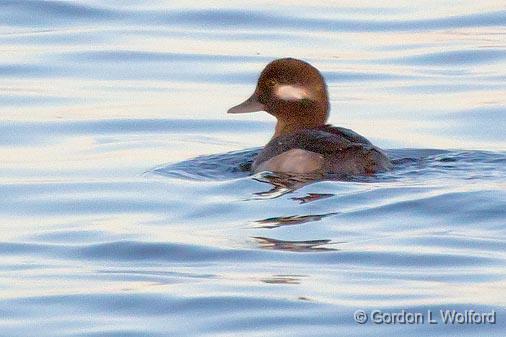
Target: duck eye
[(271, 83)]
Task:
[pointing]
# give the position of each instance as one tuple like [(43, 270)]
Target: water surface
[(126, 210)]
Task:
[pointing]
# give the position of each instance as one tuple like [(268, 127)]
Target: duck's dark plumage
[(344, 151), (295, 93)]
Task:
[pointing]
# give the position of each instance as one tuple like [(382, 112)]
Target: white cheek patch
[(291, 92)]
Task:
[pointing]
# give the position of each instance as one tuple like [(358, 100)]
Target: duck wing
[(350, 135), (344, 151)]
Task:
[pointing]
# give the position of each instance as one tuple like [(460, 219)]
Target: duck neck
[(284, 127), (291, 123)]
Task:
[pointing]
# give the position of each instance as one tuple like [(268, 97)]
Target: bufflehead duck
[(295, 93)]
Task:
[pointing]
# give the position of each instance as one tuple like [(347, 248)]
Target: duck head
[(291, 90)]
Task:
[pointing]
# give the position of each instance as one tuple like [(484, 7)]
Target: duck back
[(326, 149)]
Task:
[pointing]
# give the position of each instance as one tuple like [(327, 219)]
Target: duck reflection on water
[(295, 246)]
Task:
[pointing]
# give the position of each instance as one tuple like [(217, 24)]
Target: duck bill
[(250, 105)]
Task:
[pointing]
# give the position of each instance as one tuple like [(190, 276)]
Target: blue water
[(126, 208)]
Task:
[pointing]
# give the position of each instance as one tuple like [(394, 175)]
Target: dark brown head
[(291, 90)]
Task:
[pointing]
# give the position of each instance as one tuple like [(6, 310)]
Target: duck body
[(295, 93), (326, 150)]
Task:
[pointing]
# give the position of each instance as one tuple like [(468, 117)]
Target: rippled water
[(126, 211)]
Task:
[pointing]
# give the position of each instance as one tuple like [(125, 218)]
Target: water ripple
[(457, 57), (23, 13), (124, 215)]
